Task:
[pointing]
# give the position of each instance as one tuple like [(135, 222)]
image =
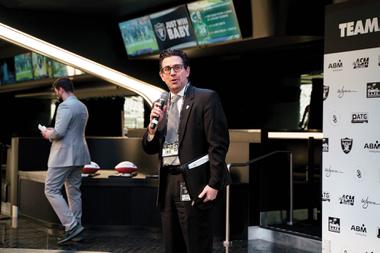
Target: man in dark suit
[(190, 127)]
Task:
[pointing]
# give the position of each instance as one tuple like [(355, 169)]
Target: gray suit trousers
[(70, 212)]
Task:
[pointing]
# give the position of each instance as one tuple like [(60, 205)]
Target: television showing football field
[(138, 36)]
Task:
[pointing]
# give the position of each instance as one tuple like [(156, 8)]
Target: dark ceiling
[(105, 7)]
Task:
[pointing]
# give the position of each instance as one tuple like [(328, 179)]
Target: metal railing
[(3, 149), (227, 242)]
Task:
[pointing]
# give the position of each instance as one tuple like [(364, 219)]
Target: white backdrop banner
[(351, 127)]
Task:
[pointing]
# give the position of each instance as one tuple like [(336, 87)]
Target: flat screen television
[(7, 71), (23, 67), (61, 69), (49, 63), (138, 36), (40, 67), (173, 28), (214, 21)]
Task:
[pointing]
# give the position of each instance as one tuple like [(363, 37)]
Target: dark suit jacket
[(202, 130)]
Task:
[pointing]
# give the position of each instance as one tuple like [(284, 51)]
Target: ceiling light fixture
[(149, 92)]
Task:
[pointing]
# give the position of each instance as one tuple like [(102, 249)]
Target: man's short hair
[(174, 52), (64, 83)]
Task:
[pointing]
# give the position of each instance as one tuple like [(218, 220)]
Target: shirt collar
[(181, 92)]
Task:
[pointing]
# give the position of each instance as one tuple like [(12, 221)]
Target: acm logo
[(361, 63)]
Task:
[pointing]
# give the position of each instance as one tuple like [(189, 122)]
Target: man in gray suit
[(68, 154)]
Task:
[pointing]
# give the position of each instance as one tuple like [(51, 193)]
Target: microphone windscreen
[(164, 96)]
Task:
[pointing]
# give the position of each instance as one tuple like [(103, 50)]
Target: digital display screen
[(138, 36), (60, 69), (7, 71), (40, 66), (214, 21), (23, 67), (173, 28)]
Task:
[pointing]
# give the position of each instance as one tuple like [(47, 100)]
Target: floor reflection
[(28, 236)]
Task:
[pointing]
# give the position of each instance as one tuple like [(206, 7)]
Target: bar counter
[(107, 199)]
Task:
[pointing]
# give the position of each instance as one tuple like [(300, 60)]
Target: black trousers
[(186, 228)]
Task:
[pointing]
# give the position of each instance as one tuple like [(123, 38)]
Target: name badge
[(170, 149), (183, 193)]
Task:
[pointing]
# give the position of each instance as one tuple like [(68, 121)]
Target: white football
[(90, 168), (126, 167)]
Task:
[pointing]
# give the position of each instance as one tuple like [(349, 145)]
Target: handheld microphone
[(162, 101)]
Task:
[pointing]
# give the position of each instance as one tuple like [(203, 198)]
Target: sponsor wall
[(351, 126)]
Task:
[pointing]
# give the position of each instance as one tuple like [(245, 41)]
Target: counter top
[(102, 177)]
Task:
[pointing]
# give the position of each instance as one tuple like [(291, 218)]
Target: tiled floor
[(28, 236)]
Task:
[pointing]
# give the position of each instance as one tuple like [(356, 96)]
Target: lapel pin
[(187, 107)]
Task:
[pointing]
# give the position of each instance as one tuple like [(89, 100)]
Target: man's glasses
[(177, 68)]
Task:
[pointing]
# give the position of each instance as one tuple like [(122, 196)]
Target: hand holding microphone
[(161, 103)]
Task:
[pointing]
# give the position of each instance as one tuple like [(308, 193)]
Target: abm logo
[(346, 144), (360, 230), (372, 147), (334, 224), (336, 66)]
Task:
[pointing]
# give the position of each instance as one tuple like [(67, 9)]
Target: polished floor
[(28, 236)]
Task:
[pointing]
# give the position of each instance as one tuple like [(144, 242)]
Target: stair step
[(286, 237)]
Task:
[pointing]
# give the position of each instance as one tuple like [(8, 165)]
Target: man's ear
[(162, 76)]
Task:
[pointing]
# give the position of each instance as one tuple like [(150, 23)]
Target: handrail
[(227, 242), (3, 147), (258, 158)]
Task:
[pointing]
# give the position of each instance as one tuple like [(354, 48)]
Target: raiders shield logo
[(346, 144), (326, 90), (160, 30)]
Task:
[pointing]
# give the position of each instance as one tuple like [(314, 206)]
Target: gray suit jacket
[(69, 147)]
